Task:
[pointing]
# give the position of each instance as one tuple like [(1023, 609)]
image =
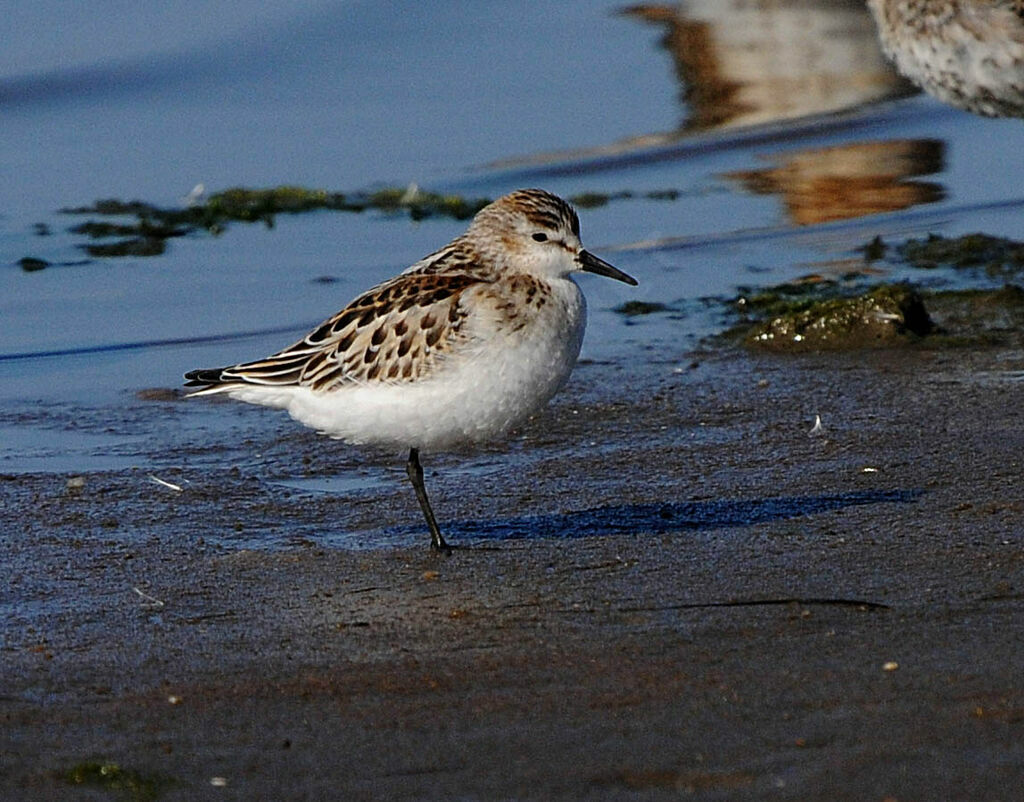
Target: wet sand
[(665, 585)]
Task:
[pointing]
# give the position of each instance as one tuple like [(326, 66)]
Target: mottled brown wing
[(393, 333)]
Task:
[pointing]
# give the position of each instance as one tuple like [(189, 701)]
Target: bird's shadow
[(665, 517)]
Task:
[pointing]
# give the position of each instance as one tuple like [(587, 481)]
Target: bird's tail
[(209, 380)]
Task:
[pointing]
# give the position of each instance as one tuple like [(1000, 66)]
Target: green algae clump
[(145, 227), (152, 225), (888, 315), (998, 256)]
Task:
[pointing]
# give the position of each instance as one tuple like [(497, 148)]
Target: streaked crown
[(534, 206)]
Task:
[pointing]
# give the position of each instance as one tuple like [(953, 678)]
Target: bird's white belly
[(477, 395)]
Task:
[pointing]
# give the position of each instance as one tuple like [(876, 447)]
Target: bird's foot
[(440, 546)]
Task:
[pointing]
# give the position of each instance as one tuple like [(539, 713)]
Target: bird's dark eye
[(539, 237)]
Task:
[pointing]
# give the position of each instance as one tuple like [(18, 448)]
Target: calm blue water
[(145, 101)]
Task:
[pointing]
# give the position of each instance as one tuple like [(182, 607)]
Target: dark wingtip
[(204, 377)]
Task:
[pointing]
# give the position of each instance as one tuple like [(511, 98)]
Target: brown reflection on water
[(745, 63), (847, 181)]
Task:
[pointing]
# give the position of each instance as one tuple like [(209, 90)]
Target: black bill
[(592, 264)]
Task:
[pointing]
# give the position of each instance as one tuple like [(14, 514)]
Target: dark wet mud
[(665, 584)]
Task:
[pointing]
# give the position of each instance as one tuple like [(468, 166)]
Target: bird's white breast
[(496, 380)]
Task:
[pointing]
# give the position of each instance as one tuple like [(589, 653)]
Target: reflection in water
[(838, 183), (968, 53), (743, 63)]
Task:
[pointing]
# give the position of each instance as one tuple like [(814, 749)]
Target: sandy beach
[(715, 602)]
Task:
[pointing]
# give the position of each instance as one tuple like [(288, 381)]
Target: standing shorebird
[(460, 347), (968, 53)]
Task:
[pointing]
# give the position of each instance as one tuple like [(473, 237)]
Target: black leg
[(415, 471)]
